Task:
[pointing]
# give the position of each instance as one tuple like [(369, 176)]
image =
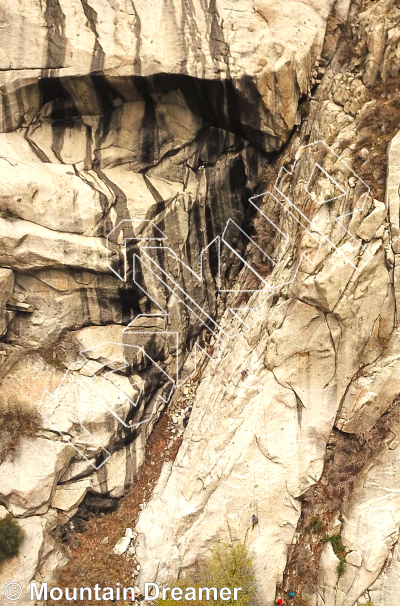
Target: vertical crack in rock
[(218, 48), (137, 62)]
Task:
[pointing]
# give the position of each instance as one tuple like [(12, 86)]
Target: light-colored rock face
[(116, 115), (238, 453), (264, 53), (25, 565), (127, 113), (28, 477), (322, 353)]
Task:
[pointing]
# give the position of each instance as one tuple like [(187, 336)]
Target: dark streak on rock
[(149, 127), (63, 105), (56, 40), (89, 142), (188, 23), (120, 205), (64, 113), (98, 58), (154, 192), (7, 120), (107, 96), (36, 150)]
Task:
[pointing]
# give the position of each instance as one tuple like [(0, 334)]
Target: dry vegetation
[(15, 422), (376, 127), (90, 560), (347, 457)]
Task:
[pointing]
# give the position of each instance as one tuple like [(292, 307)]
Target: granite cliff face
[(321, 358), (132, 137)]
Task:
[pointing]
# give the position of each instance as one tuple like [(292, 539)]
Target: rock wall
[(321, 356), (120, 126), (263, 53)]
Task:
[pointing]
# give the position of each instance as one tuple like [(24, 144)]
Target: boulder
[(26, 245), (68, 497), (121, 546), (29, 476), (63, 202), (373, 221), (354, 558)]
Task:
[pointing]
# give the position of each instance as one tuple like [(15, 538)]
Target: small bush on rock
[(15, 421), (11, 537), (315, 525), (338, 548), (229, 566)]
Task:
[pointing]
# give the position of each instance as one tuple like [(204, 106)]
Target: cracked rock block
[(29, 476)]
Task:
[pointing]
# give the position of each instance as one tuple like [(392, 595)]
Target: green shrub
[(11, 536), (315, 525), (229, 566), (337, 544), (338, 548)]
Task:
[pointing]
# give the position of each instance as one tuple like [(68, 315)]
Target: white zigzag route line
[(86, 382), (337, 219), (181, 291), (158, 236)]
